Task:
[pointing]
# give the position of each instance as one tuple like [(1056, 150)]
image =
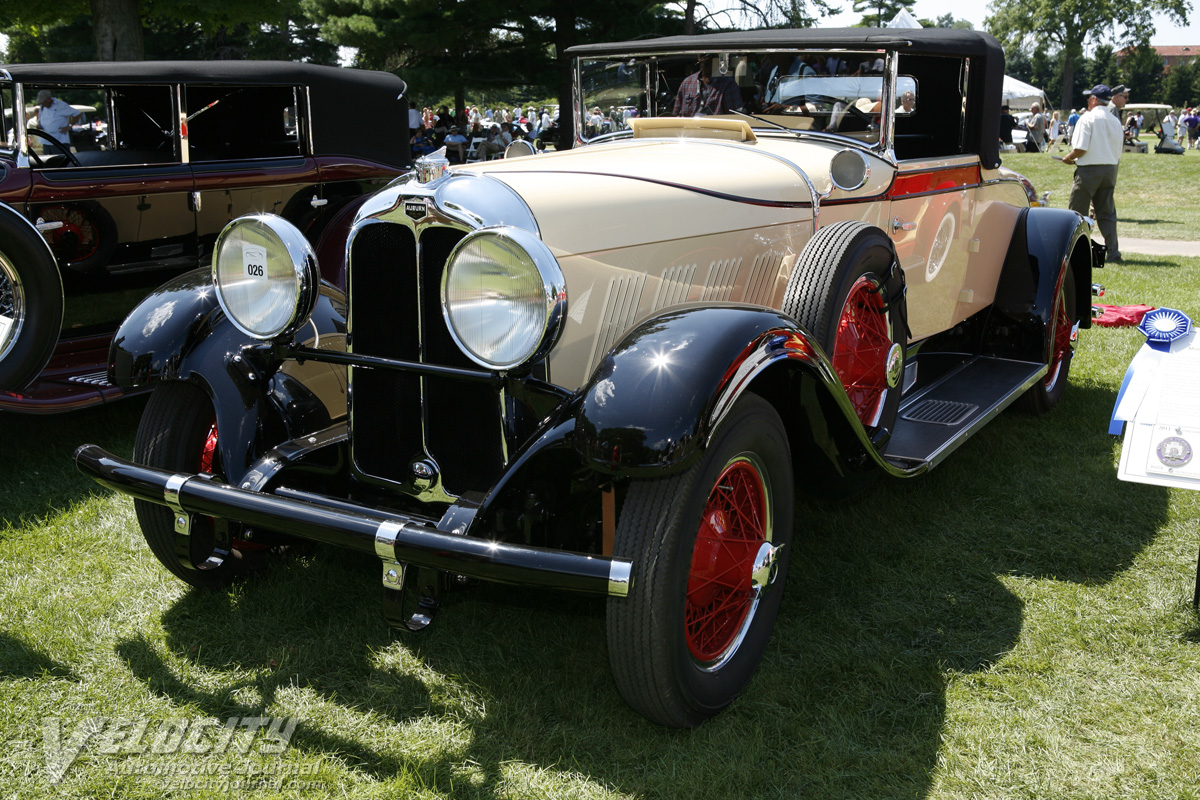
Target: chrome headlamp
[(266, 276), (503, 297)]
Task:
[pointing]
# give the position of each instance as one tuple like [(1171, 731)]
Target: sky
[(977, 10)]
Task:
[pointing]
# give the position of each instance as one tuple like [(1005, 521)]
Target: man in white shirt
[(1095, 152), (55, 117)]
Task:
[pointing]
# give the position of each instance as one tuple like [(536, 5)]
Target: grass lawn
[(1016, 624), (1154, 192)]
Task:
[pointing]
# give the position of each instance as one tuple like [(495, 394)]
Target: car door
[(116, 197), (248, 154), (931, 200)]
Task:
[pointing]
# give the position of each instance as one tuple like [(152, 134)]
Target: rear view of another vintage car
[(616, 369)]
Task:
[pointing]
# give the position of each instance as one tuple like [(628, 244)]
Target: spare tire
[(87, 237), (31, 301)]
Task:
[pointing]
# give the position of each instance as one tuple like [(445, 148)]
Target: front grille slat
[(395, 312), (462, 419)]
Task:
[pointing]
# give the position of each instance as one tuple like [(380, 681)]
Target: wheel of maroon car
[(710, 549), (1045, 394), (31, 301), (87, 237), (178, 432), (845, 292)]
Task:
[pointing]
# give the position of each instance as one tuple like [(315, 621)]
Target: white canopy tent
[(903, 19), (1019, 94)]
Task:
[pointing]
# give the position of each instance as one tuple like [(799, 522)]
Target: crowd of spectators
[(478, 133)]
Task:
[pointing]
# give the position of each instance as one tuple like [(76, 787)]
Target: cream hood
[(632, 193)]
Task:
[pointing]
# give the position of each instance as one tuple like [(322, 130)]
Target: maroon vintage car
[(115, 177)]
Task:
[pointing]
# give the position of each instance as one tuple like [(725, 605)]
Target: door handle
[(897, 225), (195, 201), (317, 202)]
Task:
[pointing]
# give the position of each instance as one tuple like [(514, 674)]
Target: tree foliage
[(129, 30), (877, 13), (949, 21), (1181, 86), (1068, 26), (1141, 71)]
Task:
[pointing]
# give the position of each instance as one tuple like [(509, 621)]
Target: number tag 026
[(254, 261)]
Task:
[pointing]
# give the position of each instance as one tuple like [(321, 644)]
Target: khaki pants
[(1093, 186)]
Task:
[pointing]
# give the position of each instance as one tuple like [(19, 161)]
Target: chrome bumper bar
[(393, 537)]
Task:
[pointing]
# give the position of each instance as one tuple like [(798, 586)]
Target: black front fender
[(653, 402), (180, 333)]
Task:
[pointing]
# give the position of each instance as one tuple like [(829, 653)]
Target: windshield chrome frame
[(882, 147)]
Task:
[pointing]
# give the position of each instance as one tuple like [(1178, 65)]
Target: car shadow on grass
[(19, 660), (38, 475), (889, 597)]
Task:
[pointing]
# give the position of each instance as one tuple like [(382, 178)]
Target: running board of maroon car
[(405, 540)]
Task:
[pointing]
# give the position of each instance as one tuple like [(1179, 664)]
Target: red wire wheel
[(1062, 340), (720, 597), (208, 450), (208, 465), (861, 347), (78, 239)]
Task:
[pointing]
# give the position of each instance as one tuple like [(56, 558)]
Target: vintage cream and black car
[(611, 369)]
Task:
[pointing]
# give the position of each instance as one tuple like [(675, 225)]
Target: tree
[(883, 10), (1069, 25), (1141, 71), (118, 28), (949, 21), (1181, 86), (1104, 67), (746, 14)]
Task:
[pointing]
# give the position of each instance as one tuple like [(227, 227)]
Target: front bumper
[(406, 539)]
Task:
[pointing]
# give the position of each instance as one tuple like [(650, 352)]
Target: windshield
[(836, 92)]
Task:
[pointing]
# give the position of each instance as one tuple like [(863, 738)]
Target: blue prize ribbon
[(1163, 326)]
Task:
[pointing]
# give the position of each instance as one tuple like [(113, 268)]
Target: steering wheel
[(850, 108), (59, 146)]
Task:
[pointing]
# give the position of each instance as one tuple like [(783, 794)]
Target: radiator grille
[(395, 312)]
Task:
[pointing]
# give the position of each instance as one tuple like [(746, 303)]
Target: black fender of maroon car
[(181, 333)]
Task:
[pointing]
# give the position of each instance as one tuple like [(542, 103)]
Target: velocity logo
[(137, 736)]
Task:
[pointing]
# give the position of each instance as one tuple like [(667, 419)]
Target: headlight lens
[(503, 297), (266, 275)]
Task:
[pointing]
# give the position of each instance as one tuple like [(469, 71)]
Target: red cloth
[(1120, 316)]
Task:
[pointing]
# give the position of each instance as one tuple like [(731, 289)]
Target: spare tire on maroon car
[(31, 301)]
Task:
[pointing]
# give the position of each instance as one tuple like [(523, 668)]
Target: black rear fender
[(1045, 240)]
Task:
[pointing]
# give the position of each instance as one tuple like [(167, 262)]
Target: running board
[(937, 419)]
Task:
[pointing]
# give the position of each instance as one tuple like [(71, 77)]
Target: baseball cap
[(1101, 92), (1120, 88)]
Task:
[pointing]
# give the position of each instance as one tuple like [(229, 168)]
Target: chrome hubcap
[(894, 365), (12, 305)]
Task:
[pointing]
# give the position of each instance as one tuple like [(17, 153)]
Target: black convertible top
[(986, 76), (340, 98)]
